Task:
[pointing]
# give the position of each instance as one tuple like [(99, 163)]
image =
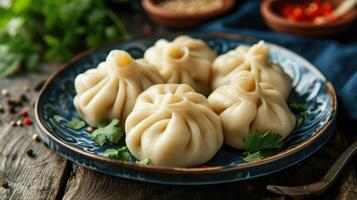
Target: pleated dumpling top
[(173, 125), (110, 90), (254, 59), (247, 105), (184, 60)]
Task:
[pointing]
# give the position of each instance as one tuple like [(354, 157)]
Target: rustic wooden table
[(46, 175)]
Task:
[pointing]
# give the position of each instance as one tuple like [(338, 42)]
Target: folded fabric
[(337, 60)]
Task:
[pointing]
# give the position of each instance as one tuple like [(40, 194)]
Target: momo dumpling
[(110, 90), (172, 125), (246, 105), (254, 59), (184, 60)]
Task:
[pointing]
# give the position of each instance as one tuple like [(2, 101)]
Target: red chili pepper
[(27, 121), (326, 8), (287, 10), (298, 13), (305, 12), (312, 10)]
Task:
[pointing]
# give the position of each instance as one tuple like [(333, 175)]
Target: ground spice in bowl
[(190, 6)]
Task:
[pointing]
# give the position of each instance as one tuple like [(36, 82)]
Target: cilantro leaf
[(76, 124), (299, 122), (119, 154), (258, 140), (111, 133), (259, 145), (251, 157), (146, 161), (298, 107), (258, 155)]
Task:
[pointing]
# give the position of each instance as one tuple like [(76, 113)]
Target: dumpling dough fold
[(246, 105), (110, 90), (173, 125), (254, 59), (184, 60)]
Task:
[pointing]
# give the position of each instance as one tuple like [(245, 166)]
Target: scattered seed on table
[(5, 92), (36, 138), (13, 123), (30, 153), (27, 121), (24, 113), (13, 102), (19, 123), (4, 184), (11, 109)]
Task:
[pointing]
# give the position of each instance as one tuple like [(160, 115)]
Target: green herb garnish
[(250, 157), (260, 144), (299, 122), (258, 140), (146, 161), (108, 132), (76, 124), (298, 107), (119, 154)]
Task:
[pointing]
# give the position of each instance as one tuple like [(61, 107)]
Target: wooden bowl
[(278, 23), (182, 20)]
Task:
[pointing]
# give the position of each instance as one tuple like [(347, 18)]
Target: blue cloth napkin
[(336, 59)]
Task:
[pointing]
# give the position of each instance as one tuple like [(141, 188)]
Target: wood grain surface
[(38, 176)]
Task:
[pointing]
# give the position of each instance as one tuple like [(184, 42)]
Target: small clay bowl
[(178, 20), (269, 10)]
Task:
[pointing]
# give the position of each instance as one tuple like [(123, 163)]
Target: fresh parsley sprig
[(258, 141), (259, 145), (76, 124), (298, 107), (108, 133), (118, 154), (301, 111), (146, 161)]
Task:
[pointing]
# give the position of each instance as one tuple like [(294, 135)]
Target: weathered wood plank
[(26, 177), (87, 184)]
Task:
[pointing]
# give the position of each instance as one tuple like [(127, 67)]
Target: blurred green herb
[(119, 154), (251, 157), (146, 161), (259, 145), (298, 107), (108, 132), (55, 30), (76, 124)]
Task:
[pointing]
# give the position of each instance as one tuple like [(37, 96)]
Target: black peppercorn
[(30, 153)]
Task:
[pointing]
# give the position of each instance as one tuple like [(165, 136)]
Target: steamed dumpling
[(245, 105), (254, 59), (184, 60), (110, 90), (173, 125)]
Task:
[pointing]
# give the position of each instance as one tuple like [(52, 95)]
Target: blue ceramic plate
[(54, 108)]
